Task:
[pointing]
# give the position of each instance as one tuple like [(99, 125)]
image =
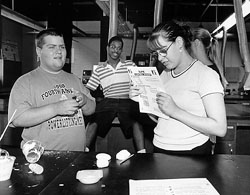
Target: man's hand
[(66, 107), (80, 98)]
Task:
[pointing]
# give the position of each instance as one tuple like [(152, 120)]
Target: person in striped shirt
[(114, 80)]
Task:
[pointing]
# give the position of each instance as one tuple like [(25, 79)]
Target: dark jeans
[(205, 149), (107, 109)]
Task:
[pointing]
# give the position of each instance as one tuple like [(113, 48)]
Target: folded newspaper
[(149, 80)]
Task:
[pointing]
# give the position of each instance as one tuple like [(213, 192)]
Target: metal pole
[(158, 12), (243, 43), (113, 18)]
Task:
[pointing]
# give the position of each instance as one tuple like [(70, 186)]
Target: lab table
[(229, 174)]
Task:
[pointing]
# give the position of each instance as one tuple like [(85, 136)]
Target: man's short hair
[(115, 38), (49, 31)]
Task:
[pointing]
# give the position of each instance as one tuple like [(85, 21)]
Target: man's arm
[(34, 116), (85, 101), (89, 107)]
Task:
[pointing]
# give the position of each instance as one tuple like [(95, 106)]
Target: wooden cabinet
[(237, 139), (243, 139), (226, 145)]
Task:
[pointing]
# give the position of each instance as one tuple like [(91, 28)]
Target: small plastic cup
[(6, 165), (33, 150)]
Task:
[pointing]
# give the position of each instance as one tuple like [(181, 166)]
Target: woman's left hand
[(166, 103)]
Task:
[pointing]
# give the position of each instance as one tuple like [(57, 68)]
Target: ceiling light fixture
[(231, 20)]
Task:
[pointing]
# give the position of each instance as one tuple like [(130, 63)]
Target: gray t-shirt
[(38, 88)]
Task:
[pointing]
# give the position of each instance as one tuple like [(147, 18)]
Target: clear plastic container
[(6, 165), (33, 150)]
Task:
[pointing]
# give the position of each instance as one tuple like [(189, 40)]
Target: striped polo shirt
[(114, 82)]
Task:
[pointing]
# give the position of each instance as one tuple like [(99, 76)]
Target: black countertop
[(229, 174), (237, 98), (239, 112)]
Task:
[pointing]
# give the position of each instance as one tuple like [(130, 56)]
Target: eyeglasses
[(164, 51)]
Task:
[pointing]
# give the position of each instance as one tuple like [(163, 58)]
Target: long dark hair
[(212, 48)]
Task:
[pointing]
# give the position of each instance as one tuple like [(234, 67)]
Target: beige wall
[(86, 52)]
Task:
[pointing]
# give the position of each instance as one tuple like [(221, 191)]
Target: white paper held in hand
[(149, 80)]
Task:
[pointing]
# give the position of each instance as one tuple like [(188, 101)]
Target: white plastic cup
[(33, 150), (103, 160), (6, 165)]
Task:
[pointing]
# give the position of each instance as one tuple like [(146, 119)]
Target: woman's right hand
[(134, 92)]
